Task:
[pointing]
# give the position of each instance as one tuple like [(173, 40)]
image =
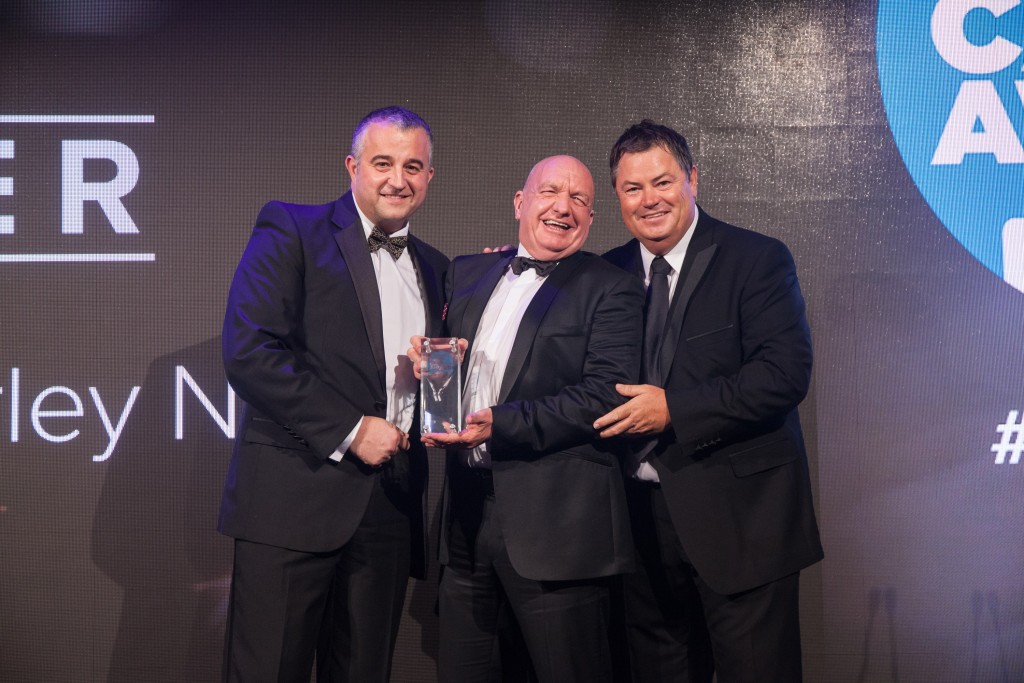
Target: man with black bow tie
[(324, 496), (719, 492), (534, 516)]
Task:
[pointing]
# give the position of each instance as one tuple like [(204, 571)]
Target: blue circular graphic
[(953, 90)]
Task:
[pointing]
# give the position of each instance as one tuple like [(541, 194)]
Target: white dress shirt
[(645, 471), (401, 302), (493, 344)]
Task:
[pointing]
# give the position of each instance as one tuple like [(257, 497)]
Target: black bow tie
[(521, 263), (394, 245)]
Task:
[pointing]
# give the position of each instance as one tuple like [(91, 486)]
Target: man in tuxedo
[(534, 515), (718, 486), (324, 496)]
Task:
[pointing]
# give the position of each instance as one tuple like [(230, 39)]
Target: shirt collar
[(676, 255)]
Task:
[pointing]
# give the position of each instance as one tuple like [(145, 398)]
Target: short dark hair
[(400, 117), (640, 137)]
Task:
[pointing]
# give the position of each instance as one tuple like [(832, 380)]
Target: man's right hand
[(377, 441)]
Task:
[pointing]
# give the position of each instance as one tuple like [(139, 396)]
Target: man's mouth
[(652, 216), (556, 224)]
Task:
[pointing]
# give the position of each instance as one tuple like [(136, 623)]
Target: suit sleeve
[(565, 417), (264, 340), (774, 368)]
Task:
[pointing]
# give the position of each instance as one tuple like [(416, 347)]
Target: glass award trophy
[(440, 386)]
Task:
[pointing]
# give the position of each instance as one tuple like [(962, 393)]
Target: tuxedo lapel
[(698, 257), (532, 318), (478, 299), (431, 294), (352, 241)]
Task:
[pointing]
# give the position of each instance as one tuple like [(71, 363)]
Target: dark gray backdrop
[(111, 570)]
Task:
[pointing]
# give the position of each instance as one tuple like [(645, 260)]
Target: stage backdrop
[(882, 141)]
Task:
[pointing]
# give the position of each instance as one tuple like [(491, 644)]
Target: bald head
[(554, 208)]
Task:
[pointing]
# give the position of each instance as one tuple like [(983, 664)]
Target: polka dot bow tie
[(394, 245)]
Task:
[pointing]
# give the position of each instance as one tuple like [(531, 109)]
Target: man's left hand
[(644, 414), (478, 430)]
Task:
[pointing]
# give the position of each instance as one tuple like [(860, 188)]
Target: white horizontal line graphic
[(77, 118), (75, 258)]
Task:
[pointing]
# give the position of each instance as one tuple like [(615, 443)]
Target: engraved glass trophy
[(440, 386)]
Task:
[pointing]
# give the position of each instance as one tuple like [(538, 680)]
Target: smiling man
[(719, 493), (534, 515), (324, 495)]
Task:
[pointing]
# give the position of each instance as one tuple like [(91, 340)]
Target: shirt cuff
[(339, 452)]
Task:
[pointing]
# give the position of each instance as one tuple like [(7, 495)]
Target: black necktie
[(521, 263), (655, 317), (394, 245)]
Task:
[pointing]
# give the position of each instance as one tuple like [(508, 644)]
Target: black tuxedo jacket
[(303, 346), (736, 362), (559, 496)]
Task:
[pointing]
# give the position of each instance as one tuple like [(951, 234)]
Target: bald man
[(534, 513)]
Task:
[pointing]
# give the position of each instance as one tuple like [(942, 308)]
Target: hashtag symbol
[(1012, 443)]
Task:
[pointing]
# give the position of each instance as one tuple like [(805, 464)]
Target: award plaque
[(440, 386)]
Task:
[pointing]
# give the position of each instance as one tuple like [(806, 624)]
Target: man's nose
[(397, 177), (562, 203)]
